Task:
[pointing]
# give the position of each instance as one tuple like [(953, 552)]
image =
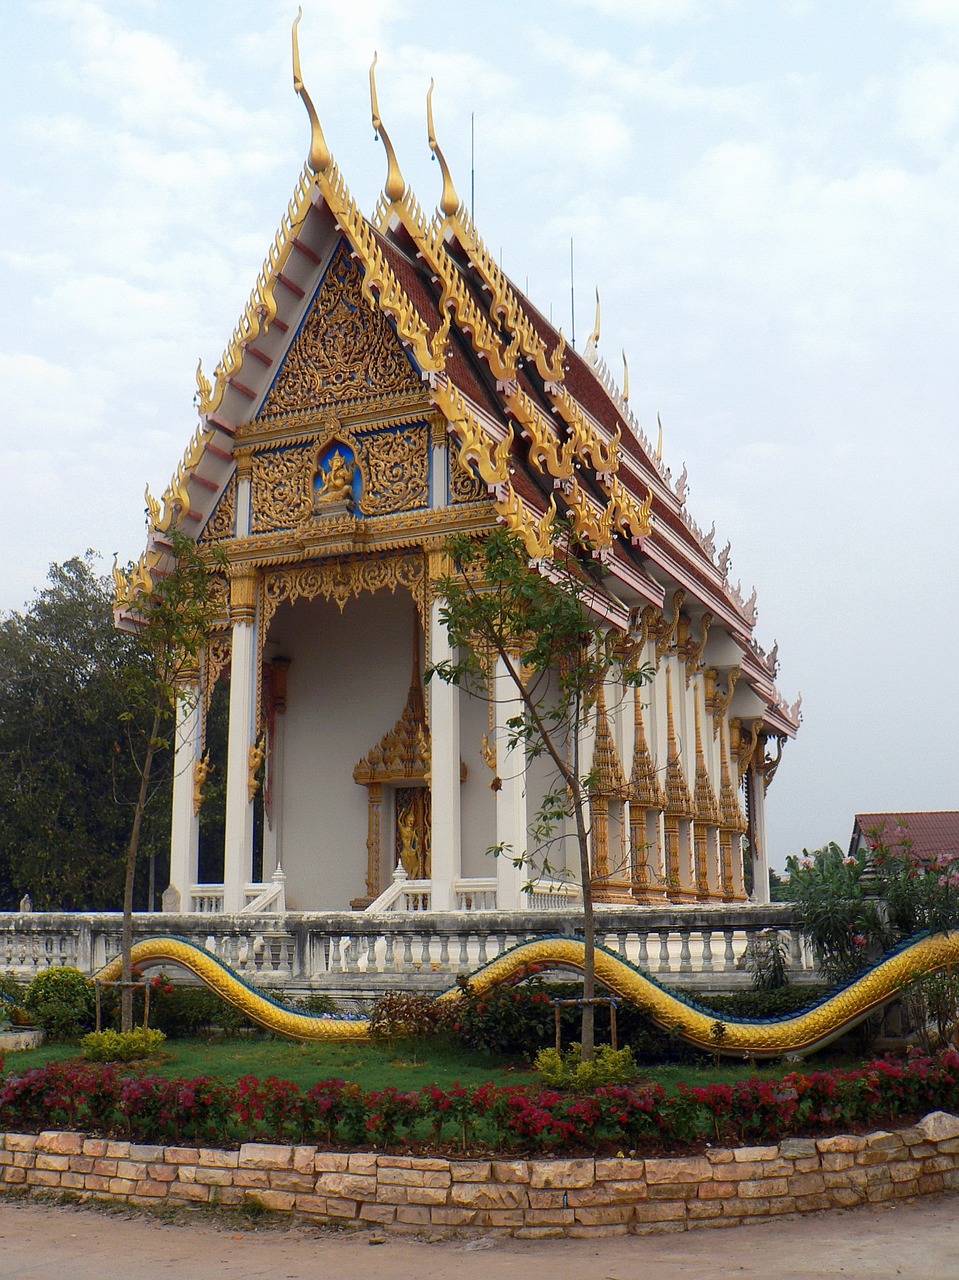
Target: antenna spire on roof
[(449, 200), (319, 158), (395, 183)]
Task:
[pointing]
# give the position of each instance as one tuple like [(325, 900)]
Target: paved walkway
[(918, 1240)]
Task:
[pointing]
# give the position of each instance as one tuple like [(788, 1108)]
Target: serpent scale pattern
[(799, 1034)]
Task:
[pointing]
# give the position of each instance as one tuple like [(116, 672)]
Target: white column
[(238, 850), (185, 826), (511, 818), (445, 851), (757, 825)]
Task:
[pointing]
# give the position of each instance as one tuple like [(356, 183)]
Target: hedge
[(105, 1100)]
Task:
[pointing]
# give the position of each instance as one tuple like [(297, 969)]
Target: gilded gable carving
[(394, 471), (221, 523), (464, 486), (346, 352)]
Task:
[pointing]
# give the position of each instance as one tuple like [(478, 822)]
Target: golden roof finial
[(395, 185), (449, 201), (592, 342), (659, 445), (319, 158), (625, 377)]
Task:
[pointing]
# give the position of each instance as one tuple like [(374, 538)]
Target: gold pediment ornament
[(345, 353)]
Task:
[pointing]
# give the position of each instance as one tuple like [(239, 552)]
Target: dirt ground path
[(918, 1240)]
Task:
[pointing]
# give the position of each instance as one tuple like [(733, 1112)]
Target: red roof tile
[(930, 833)]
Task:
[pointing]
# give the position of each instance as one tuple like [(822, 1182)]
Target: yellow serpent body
[(798, 1034)]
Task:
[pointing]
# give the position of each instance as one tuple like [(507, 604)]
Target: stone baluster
[(664, 966), (464, 960), (407, 952), (389, 960), (729, 955), (707, 962), (444, 953), (685, 959), (643, 957)]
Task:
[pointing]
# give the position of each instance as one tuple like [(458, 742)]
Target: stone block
[(24, 1159), (45, 1161), (557, 1199), (755, 1153), (750, 1170), (141, 1151), (846, 1197), (426, 1195), (471, 1170), (562, 1173), (719, 1155), (843, 1142), (191, 1193), (264, 1155), (58, 1143), (435, 1164), (806, 1184), (673, 1190), (948, 1146), (357, 1186), (876, 1193), (771, 1188), (118, 1150), (692, 1169), (487, 1195), (131, 1169), (834, 1160), (717, 1190), (548, 1217), (517, 1170), (227, 1159), (882, 1140), (661, 1228), (290, 1180), (315, 1205), (21, 1142), (450, 1217), (94, 1146), (214, 1177), (251, 1178), (152, 1189), (180, 1155), (539, 1233), (938, 1164), (381, 1213), (161, 1172), (71, 1181), (608, 1193), (43, 1178), (413, 1213), (107, 1168), (604, 1216), (392, 1195), (502, 1219), (227, 1195), (870, 1159), (13, 1176), (122, 1186), (394, 1162), (331, 1162), (303, 1159), (280, 1200), (363, 1162), (412, 1177), (930, 1182), (664, 1211), (790, 1148), (620, 1170), (938, 1125), (903, 1171), (96, 1182), (701, 1210)]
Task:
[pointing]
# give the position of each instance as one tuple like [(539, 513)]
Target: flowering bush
[(146, 1108), (505, 1020)]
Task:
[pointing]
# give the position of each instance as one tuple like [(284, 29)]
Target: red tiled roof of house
[(930, 833)]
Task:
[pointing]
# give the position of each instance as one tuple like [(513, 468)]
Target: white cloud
[(929, 105)]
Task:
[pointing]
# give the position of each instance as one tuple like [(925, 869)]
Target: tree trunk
[(587, 1035), (126, 937)]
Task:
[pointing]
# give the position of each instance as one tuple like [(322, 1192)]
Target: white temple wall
[(348, 680)]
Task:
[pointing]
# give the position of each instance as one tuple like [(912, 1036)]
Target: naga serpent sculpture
[(797, 1034)]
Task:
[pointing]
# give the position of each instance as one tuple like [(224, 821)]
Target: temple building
[(386, 386)]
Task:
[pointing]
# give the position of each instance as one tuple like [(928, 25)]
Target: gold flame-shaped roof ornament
[(320, 157), (395, 182), (449, 200)]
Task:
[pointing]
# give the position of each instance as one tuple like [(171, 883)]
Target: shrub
[(568, 1071), (61, 1000), (767, 960), (317, 1004), (507, 1020), (122, 1046), (404, 1015)]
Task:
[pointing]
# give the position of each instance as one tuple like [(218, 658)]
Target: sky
[(766, 196)]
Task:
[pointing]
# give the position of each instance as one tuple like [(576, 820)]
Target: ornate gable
[(345, 355)]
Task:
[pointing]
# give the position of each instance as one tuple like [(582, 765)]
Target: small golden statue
[(256, 757), (337, 485), (201, 771)]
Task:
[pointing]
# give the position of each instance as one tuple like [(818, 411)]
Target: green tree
[(544, 624), (67, 782), (170, 623)]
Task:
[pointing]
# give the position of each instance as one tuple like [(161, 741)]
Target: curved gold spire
[(395, 183), (449, 201), (659, 444), (592, 342), (625, 377), (320, 158)]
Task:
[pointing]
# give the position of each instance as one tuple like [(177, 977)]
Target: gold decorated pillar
[(705, 821), (646, 803), (677, 816), (609, 882), (445, 775)]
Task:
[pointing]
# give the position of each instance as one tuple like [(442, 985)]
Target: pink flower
[(859, 940), (807, 864)]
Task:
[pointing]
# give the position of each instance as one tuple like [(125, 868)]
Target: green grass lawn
[(405, 1066)]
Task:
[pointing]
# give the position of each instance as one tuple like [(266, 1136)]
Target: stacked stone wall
[(525, 1198)]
